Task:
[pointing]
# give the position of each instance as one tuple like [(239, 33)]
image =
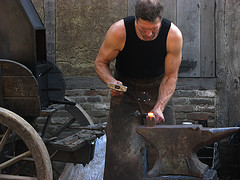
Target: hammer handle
[(117, 87)]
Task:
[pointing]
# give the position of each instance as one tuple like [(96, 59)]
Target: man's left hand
[(159, 117)]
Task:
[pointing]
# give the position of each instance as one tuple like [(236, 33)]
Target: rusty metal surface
[(177, 146)]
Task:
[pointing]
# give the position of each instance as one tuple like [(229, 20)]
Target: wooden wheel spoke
[(15, 159), (27, 135), (4, 139)]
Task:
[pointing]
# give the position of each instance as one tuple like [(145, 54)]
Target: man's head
[(148, 15), (148, 10)]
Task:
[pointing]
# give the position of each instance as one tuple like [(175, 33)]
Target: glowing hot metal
[(150, 120)]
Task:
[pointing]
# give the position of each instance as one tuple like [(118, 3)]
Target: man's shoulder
[(174, 39), (174, 32), (118, 28), (116, 35)]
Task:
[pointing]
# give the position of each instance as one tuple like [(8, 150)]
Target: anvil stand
[(177, 146)]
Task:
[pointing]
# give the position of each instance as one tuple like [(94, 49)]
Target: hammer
[(117, 87)]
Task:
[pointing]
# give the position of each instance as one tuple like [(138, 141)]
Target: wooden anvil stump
[(177, 146)]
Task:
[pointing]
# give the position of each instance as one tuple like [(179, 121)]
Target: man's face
[(148, 30)]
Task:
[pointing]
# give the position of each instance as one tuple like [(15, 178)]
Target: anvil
[(177, 146)]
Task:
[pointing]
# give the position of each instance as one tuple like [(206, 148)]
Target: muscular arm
[(172, 63), (112, 45)]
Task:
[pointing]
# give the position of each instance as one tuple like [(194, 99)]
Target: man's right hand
[(115, 92)]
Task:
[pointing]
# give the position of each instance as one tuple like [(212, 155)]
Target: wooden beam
[(207, 39), (227, 62)]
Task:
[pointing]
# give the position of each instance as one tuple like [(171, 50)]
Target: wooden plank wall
[(207, 48), (227, 59), (188, 20)]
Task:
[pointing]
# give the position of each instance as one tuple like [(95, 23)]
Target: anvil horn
[(211, 135)]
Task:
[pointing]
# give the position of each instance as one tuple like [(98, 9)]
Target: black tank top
[(142, 59)]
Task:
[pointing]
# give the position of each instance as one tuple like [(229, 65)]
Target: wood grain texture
[(227, 62), (188, 20), (207, 39), (19, 89)]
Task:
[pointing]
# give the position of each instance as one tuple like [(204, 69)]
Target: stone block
[(87, 106), (200, 108), (40, 120), (94, 99), (204, 101), (185, 93), (207, 93), (101, 106), (95, 92), (199, 116), (181, 101), (74, 92), (98, 113), (100, 119), (180, 116), (180, 108), (81, 99)]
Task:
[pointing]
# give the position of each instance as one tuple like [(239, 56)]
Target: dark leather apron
[(125, 148)]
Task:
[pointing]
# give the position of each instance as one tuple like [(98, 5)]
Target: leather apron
[(125, 148)]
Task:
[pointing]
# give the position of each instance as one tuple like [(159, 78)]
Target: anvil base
[(211, 174)]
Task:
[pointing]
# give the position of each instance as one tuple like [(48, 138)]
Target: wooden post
[(227, 62)]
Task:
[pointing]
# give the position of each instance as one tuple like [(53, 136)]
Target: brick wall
[(94, 101), (190, 104), (196, 106)]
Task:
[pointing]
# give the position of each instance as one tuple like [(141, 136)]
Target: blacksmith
[(148, 51)]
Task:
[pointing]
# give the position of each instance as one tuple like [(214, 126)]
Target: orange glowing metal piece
[(150, 120), (151, 114)]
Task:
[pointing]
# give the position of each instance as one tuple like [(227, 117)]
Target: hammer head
[(117, 87)]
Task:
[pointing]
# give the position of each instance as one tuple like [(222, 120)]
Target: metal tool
[(150, 120), (117, 87), (177, 146)]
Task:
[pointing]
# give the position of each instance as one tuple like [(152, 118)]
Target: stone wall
[(191, 105), (96, 102), (196, 106)]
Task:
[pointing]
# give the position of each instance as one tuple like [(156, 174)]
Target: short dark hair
[(148, 10)]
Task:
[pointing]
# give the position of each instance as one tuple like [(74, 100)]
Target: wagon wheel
[(32, 140)]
